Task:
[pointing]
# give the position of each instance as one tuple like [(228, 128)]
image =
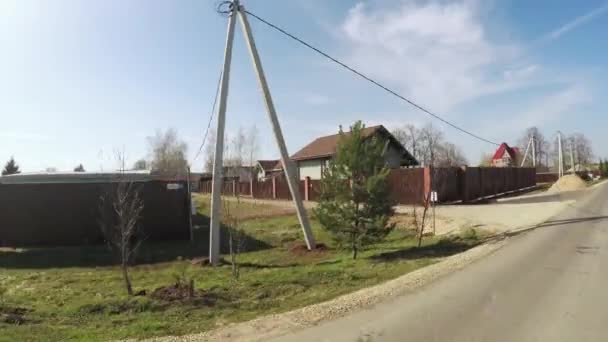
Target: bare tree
[(168, 154), (431, 140), (51, 169), (79, 168), (541, 145), (120, 212), (251, 144), (235, 153), (409, 136), (141, 164), (583, 151), (449, 155), (210, 150)]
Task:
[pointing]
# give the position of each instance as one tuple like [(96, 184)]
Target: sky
[(80, 80)]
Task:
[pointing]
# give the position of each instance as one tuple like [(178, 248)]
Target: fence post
[(274, 187), (464, 192), (427, 183), (307, 188), (251, 187), (234, 188)]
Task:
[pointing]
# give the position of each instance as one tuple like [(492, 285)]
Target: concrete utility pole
[(523, 161), (290, 173), (533, 151), (572, 156), (214, 241), (216, 185), (560, 167)]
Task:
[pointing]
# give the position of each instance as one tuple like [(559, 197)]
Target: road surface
[(547, 284)]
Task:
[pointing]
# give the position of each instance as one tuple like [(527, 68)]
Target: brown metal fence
[(60, 214), (408, 186)]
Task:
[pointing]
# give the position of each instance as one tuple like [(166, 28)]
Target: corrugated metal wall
[(68, 214)]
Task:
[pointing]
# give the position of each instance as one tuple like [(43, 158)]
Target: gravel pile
[(568, 183)]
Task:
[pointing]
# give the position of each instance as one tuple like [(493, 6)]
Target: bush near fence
[(408, 186)]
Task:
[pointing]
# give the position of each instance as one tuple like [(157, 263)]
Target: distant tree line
[(429, 146)]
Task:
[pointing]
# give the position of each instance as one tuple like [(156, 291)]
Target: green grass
[(78, 294)]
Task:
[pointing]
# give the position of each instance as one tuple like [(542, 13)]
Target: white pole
[(533, 151), (559, 155), (287, 165), (523, 161), (216, 186), (572, 157)]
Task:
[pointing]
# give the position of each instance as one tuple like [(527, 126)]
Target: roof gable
[(504, 148), (268, 165), (325, 147)]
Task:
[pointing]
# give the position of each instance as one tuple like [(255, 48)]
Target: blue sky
[(81, 79)]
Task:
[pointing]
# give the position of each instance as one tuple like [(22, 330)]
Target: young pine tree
[(355, 205), (11, 167)]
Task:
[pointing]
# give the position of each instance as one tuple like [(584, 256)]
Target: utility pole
[(238, 11), (572, 156), (290, 173), (533, 151), (216, 185), (560, 167), (523, 161)]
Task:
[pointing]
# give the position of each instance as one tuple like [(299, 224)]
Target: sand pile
[(568, 183)]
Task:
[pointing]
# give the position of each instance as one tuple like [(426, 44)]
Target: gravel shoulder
[(512, 214)]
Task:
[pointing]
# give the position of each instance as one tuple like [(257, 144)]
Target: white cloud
[(437, 53), (521, 73), (576, 22)]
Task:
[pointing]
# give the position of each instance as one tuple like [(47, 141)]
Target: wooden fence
[(408, 186)]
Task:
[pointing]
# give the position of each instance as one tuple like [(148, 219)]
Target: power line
[(351, 69), (217, 90)]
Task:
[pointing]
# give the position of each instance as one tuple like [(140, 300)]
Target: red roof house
[(505, 156)]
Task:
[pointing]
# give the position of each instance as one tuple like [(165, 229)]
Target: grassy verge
[(78, 294)]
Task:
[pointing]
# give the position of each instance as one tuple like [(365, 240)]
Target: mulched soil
[(300, 249), (13, 315), (180, 292)]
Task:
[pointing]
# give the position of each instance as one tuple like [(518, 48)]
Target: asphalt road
[(547, 284)]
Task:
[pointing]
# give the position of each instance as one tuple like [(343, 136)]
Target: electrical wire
[(369, 79), (217, 90)]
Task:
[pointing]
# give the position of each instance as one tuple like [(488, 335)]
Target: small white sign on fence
[(434, 196), (174, 186)]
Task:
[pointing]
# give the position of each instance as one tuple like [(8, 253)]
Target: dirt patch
[(13, 315), (300, 249), (180, 292), (568, 183)]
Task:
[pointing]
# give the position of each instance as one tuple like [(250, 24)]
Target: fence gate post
[(234, 188), (274, 187), (427, 183), (307, 188)]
